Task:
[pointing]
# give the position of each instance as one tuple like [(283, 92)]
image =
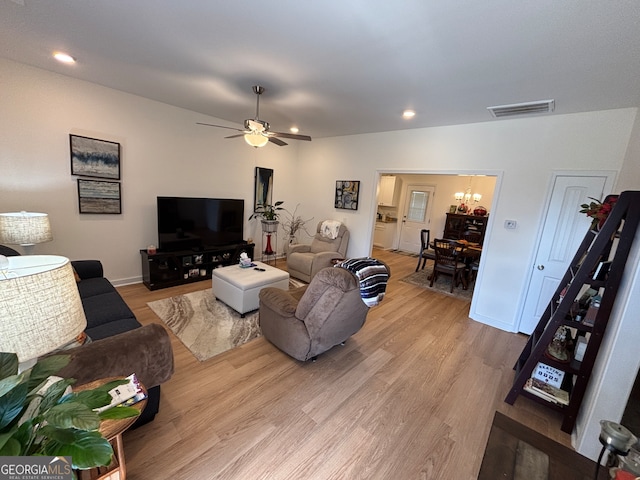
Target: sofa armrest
[(145, 351), (299, 248), (88, 268), (279, 301)]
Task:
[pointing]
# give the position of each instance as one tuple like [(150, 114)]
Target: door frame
[(608, 188), (499, 174)]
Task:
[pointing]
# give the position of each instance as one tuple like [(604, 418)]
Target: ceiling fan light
[(255, 139)]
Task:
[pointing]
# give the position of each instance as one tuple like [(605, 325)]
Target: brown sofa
[(304, 261), (310, 320)]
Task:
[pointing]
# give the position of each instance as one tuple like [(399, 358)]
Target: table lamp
[(25, 229), (40, 307)]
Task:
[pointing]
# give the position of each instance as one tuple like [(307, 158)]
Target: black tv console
[(168, 269)]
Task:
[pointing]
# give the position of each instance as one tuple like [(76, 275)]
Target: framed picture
[(91, 157), (263, 187), (453, 208), (347, 192), (95, 196)]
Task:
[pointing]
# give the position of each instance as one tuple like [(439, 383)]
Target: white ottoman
[(239, 287)]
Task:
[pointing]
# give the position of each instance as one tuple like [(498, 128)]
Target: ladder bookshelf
[(596, 267)]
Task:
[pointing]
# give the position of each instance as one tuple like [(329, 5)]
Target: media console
[(168, 269)]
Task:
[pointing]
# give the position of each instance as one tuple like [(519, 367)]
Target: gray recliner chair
[(304, 261), (310, 320)]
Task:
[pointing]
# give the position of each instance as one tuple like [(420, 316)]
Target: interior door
[(416, 215), (563, 230)]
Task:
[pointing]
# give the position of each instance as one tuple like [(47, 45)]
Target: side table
[(112, 430)]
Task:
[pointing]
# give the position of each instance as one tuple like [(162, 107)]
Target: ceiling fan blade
[(277, 141), (236, 136), (293, 136), (219, 126)]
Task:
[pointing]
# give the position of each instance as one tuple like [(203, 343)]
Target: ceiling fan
[(256, 132)]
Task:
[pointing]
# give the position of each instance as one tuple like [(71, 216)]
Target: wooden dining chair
[(426, 252), (450, 261)]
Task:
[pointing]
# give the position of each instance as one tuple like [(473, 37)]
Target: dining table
[(470, 253)]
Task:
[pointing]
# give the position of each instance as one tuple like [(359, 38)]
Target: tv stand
[(168, 269)]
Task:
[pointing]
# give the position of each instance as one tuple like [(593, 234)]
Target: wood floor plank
[(410, 396)]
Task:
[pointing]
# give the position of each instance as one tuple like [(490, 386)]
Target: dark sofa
[(119, 345), (108, 316)]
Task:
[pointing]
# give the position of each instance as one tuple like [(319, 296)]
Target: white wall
[(523, 153), (163, 152)]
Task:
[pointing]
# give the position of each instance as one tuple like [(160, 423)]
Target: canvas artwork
[(91, 157), (99, 197), (263, 187), (347, 194)]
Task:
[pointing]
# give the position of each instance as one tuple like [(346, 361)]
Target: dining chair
[(472, 236), (450, 261), (426, 252)]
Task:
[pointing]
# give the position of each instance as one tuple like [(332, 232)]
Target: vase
[(268, 250)]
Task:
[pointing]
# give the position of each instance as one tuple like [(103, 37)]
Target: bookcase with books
[(555, 365)]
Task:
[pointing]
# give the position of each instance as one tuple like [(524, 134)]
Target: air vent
[(528, 108)]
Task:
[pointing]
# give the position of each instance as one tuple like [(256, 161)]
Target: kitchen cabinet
[(387, 193), (384, 234)]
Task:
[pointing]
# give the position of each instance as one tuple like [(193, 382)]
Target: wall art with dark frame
[(263, 187), (91, 157), (347, 192), (99, 197)]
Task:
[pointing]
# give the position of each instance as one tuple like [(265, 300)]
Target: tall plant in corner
[(39, 416)]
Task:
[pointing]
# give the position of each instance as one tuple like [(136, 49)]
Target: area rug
[(441, 285), (206, 326)]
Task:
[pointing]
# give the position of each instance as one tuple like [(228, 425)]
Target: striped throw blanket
[(373, 276)]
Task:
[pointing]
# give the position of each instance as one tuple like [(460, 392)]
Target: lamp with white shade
[(40, 307), (25, 229)]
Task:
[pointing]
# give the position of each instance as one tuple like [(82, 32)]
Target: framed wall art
[(347, 192), (100, 197), (263, 187), (91, 157)]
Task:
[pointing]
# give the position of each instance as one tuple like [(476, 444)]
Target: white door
[(415, 216), (563, 230)]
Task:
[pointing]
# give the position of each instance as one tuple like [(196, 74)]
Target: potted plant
[(598, 210), (292, 225), (39, 417), (268, 215)]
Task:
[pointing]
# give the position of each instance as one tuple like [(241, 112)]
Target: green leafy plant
[(39, 417), (599, 210), (267, 211), (294, 223)]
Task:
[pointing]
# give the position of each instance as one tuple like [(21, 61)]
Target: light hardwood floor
[(410, 396)]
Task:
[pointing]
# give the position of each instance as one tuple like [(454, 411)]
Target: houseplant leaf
[(72, 415), (91, 398), (87, 449), (115, 413), (9, 446), (45, 368), (8, 364), (12, 404)]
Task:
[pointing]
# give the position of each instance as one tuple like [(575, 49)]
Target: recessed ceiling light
[(408, 114), (294, 129), (64, 57)]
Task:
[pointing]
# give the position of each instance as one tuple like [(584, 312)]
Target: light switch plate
[(510, 224)]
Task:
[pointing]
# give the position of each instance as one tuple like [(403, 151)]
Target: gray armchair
[(310, 320), (304, 261)]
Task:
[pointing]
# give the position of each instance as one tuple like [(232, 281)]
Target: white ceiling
[(340, 67)]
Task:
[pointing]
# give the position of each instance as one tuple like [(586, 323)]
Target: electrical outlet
[(510, 224)]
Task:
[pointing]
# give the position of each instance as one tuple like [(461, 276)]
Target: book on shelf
[(547, 392), (125, 395), (602, 270)]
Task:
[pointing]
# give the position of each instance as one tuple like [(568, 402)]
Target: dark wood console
[(168, 269)]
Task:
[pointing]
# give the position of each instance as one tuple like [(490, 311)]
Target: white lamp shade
[(40, 307), (24, 228), (255, 139)]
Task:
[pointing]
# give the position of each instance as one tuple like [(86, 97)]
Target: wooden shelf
[(612, 243)]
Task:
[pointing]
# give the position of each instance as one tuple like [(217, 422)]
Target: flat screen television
[(198, 223)]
